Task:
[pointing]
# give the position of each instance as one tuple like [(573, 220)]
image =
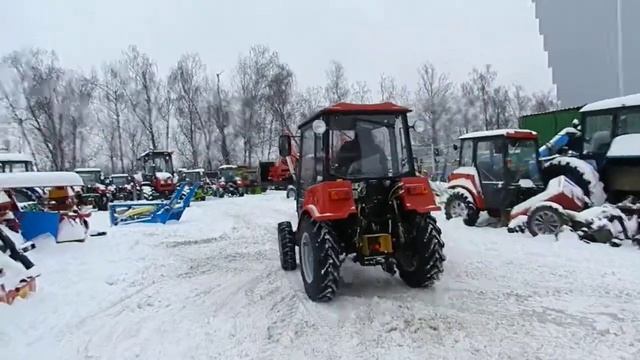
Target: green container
[(548, 124)]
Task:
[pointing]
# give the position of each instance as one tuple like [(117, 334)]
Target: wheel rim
[(458, 209), (546, 222), (306, 255)]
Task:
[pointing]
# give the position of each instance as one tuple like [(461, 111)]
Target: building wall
[(580, 38)]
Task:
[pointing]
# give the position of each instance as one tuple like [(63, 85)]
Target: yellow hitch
[(376, 244)]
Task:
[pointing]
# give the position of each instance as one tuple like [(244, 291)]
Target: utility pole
[(620, 52)]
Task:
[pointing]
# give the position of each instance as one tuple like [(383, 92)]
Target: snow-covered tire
[(287, 246), (291, 193), (422, 262), (580, 173), (545, 220), (456, 200), (319, 260)]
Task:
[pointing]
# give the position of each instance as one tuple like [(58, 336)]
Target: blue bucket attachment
[(36, 223)]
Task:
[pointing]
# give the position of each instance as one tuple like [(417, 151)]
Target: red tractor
[(280, 174), (498, 172), (358, 196), (156, 176)]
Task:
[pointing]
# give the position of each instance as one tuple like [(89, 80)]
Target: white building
[(592, 46)]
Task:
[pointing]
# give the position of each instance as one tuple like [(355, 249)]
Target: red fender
[(330, 200), (417, 195), (474, 191)]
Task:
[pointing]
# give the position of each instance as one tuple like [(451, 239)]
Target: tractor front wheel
[(287, 246), (545, 220), (421, 261), (319, 260), (459, 205)]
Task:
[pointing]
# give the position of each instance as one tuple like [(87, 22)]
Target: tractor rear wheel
[(560, 166), (319, 260), (545, 220), (459, 205), (287, 246), (420, 263)]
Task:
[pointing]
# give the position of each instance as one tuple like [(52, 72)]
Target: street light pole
[(620, 51)]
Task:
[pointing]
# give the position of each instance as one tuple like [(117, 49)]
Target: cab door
[(310, 163), (490, 164)]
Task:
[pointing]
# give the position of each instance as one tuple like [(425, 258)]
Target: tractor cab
[(358, 196), (94, 192), (90, 176), (497, 170), (194, 176), (13, 163), (157, 173)]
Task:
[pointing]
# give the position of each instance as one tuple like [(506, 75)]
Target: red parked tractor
[(156, 176), (499, 171), (358, 195)]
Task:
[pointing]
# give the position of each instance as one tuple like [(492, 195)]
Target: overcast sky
[(369, 37)]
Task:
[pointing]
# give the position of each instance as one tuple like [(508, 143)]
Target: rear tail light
[(417, 189), (340, 194)]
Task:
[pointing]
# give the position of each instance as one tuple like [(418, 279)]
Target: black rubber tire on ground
[(472, 211), (287, 246), (553, 170), (321, 283), (102, 203), (425, 249), (545, 214)]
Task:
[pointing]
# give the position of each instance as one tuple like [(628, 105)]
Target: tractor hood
[(163, 176), (625, 146)]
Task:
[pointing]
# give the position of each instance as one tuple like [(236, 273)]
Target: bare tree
[(519, 103), (35, 99), (360, 92), (252, 76), (500, 99), (279, 101), (114, 102), (337, 86), (188, 82), (142, 92), (388, 88), (481, 85), (543, 101)]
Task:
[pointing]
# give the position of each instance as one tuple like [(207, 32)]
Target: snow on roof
[(499, 132), (194, 171), (15, 157), (624, 101), (161, 152), (119, 175), (627, 145), (39, 179), (227, 167), (86, 169)]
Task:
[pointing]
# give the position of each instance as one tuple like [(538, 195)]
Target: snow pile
[(211, 287), (596, 187)]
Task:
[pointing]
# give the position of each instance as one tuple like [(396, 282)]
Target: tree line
[(108, 116)]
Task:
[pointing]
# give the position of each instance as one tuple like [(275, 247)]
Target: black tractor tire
[(425, 250), (321, 270), (555, 169), (545, 220), (102, 203), (291, 193), (287, 246), (471, 218)]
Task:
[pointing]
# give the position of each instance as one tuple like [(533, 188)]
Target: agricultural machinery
[(196, 177), (122, 187), (156, 176), (358, 196), (279, 174), (230, 183), (597, 160), (17, 163), (94, 192)]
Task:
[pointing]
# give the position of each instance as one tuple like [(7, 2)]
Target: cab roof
[(350, 108), (508, 133), (155, 152)]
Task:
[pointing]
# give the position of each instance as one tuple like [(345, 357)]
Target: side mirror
[(284, 145), (455, 147)]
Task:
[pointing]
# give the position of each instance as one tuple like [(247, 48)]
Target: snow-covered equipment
[(122, 187), (153, 211), (95, 191), (196, 176), (358, 196), (155, 178), (58, 214), (497, 170), (230, 182)]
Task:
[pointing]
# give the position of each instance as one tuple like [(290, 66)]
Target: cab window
[(629, 122), (307, 157), (466, 153), (490, 160), (597, 133)]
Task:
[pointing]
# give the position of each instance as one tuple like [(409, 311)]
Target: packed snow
[(211, 287)]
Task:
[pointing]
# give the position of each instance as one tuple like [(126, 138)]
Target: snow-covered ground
[(211, 287)]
